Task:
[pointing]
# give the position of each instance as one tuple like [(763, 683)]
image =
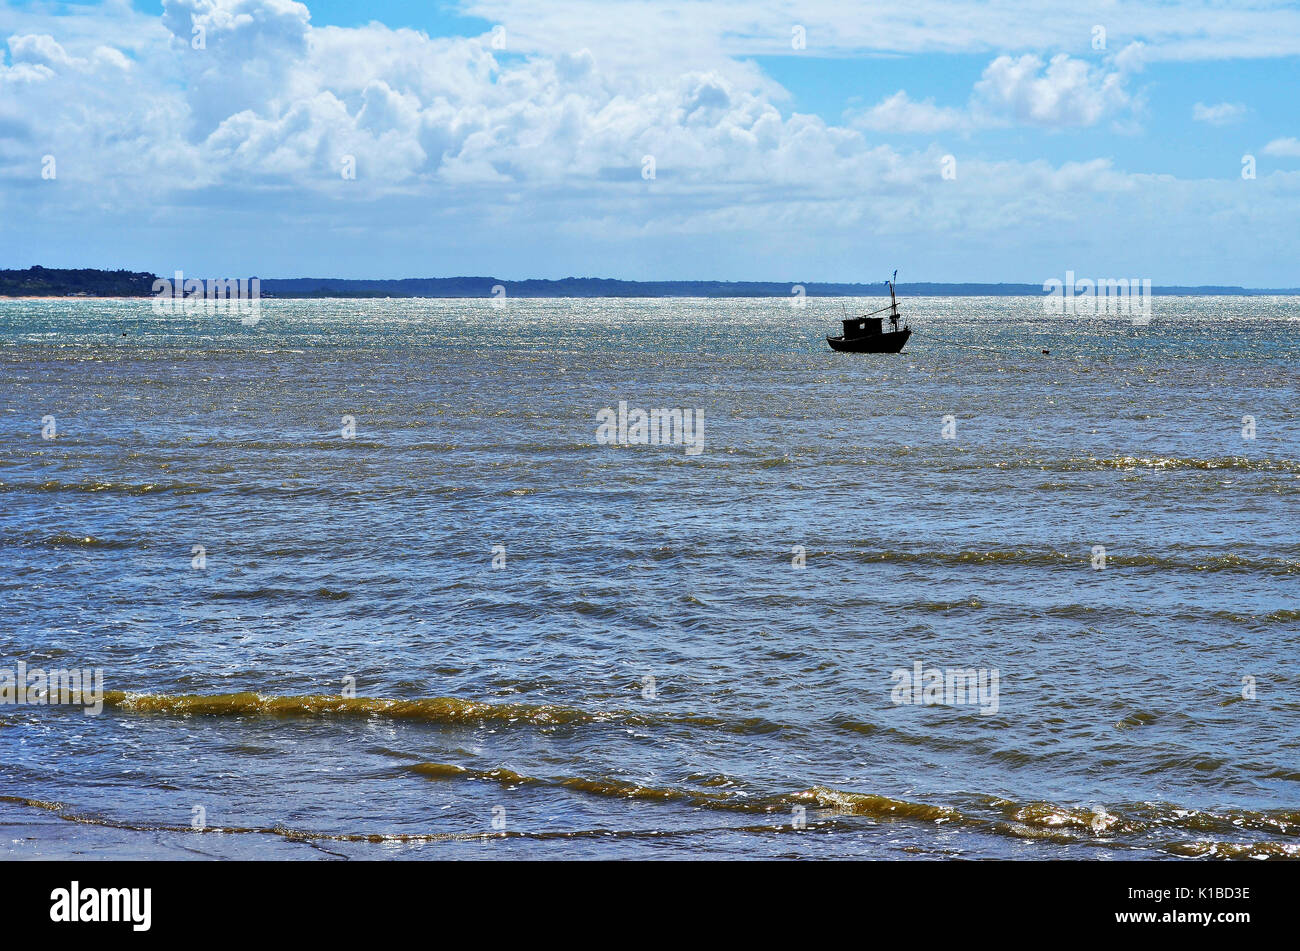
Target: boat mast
[(893, 301)]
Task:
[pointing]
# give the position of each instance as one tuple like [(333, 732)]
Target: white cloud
[(1068, 92), (454, 143), (898, 113), (1013, 90), (1132, 58), (42, 51), (685, 31), (1223, 113), (1283, 148), (239, 29)]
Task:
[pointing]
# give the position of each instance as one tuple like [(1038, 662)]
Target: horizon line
[(779, 288)]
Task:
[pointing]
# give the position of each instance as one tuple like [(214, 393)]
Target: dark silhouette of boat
[(866, 334)]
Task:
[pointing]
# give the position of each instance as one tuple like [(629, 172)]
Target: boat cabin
[(863, 327), (868, 325)]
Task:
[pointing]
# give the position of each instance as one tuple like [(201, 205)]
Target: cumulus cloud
[(1064, 92), (1283, 148), (239, 29), (42, 51), (1014, 90), (246, 106), (247, 95)]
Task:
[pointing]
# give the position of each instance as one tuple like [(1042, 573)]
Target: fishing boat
[(866, 334)]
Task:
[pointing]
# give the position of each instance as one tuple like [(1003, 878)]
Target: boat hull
[(877, 343)]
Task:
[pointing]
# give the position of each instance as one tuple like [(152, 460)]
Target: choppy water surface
[(649, 674)]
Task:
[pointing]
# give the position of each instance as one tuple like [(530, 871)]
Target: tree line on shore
[(92, 282)]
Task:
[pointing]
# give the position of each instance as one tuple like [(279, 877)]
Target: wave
[(1179, 462), (1032, 558), (981, 811), (1162, 827), (274, 594), (1159, 827), (1283, 614), (1017, 557), (433, 710), (1141, 825), (64, 812), (438, 710), (76, 540), (300, 489), (817, 797), (615, 788), (90, 487)]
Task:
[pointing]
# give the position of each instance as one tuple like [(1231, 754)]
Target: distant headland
[(91, 282)]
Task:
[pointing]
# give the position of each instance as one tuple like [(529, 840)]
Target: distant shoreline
[(902, 292), (40, 283)]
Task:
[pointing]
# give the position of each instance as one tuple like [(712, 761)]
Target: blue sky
[(1003, 141)]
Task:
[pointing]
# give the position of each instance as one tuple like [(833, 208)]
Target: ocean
[(367, 579)]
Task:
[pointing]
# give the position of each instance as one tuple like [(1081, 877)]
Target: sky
[(770, 140)]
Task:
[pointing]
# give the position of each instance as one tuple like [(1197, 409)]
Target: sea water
[(362, 580)]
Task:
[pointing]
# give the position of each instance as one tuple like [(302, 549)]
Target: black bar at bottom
[(352, 899)]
